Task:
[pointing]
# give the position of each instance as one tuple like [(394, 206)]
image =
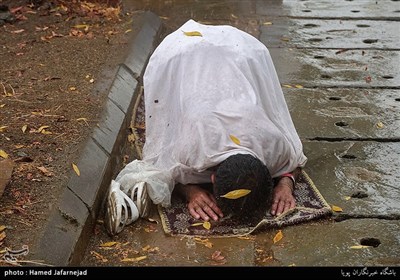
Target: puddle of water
[(238, 13)]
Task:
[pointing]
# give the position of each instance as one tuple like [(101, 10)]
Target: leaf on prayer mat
[(207, 225), (236, 194), (196, 224)]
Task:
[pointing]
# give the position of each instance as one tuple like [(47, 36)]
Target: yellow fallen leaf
[(81, 26), (193, 33), (196, 224), (44, 131), (2, 128), (42, 128), (234, 139), (91, 81), (244, 237), (108, 244), (19, 146), (2, 235), (204, 242), (2, 105), (298, 86), (287, 86), (45, 171), (98, 256), (380, 125), (146, 248), (2, 228), (134, 259), (236, 194), (23, 128), (128, 30), (278, 236), (3, 154), (359, 247), (337, 208), (347, 197), (267, 23), (76, 169), (207, 225), (72, 88)]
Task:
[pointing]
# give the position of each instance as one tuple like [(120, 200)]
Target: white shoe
[(118, 213), (140, 197)]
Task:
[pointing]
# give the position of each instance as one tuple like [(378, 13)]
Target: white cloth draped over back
[(201, 90)]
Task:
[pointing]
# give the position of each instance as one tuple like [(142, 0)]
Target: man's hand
[(283, 199), (201, 203)]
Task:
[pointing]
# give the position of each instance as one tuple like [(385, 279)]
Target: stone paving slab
[(344, 169), (336, 34), (386, 9), (345, 113), (328, 244), (337, 68)]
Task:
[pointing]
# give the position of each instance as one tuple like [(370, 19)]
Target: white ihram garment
[(201, 90)]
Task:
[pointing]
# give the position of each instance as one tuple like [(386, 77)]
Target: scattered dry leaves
[(134, 259), (359, 247), (336, 208), (278, 236), (76, 169), (109, 244), (204, 242), (45, 171), (99, 256), (218, 257)]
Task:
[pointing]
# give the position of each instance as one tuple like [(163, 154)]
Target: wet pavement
[(338, 63)]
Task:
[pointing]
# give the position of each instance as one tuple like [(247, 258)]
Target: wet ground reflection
[(239, 13)]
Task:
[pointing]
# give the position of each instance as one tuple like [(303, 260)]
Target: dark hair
[(243, 171)]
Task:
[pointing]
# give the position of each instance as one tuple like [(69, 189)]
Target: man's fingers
[(280, 208), (208, 210), (274, 207), (193, 212), (215, 210), (202, 214)]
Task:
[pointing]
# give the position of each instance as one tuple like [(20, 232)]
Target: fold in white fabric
[(202, 94)]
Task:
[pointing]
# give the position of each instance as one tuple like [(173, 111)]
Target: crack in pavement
[(343, 217)]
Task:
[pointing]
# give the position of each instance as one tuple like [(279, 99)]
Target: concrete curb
[(71, 222)]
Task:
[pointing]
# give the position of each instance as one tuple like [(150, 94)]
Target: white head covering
[(203, 93)]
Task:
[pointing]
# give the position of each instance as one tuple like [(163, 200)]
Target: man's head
[(243, 171)]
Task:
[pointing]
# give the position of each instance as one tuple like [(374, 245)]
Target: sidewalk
[(339, 72)]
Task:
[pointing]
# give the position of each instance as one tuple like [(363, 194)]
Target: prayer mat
[(176, 220), (310, 205)]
